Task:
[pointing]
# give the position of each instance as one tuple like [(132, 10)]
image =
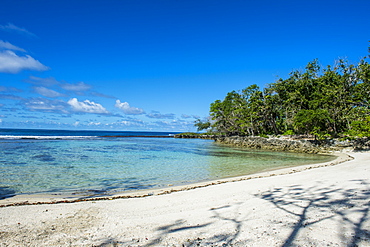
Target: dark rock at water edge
[(305, 145), (274, 144), (299, 144), (196, 135)]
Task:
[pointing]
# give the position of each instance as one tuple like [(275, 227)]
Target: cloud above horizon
[(158, 115), (51, 81), (189, 116), (46, 105), (9, 89), (127, 109), (10, 96), (9, 46), (77, 87), (46, 82), (12, 63), (47, 92), (10, 27), (101, 95), (86, 106)]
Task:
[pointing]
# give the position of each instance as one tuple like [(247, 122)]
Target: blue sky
[(158, 64)]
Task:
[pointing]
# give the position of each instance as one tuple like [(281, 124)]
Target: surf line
[(137, 136)]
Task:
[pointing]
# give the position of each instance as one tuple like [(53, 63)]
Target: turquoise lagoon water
[(35, 161)]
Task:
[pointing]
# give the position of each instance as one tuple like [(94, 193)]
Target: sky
[(157, 65)]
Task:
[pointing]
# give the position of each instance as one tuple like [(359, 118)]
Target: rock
[(274, 144), (298, 144)]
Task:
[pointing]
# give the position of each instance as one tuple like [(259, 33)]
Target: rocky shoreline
[(300, 144)]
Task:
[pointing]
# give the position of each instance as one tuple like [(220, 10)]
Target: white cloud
[(10, 96), (8, 46), (9, 89), (12, 27), (71, 87), (127, 109), (12, 63), (47, 92), (175, 124), (93, 124), (102, 95), (190, 116), (86, 106), (45, 105), (47, 82), (80, 86), (158, 115), (132, 122), (185, 116)]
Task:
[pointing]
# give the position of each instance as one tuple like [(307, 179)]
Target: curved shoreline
[(305, 207), (56, 198)]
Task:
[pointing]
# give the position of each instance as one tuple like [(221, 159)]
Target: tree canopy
[(331, 101)]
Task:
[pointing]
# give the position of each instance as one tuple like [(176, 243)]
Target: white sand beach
[(325, 206)]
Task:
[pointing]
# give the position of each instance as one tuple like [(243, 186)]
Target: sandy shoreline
[(299, 206), (52, 198)]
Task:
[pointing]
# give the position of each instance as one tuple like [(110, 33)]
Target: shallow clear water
[(111, 165)]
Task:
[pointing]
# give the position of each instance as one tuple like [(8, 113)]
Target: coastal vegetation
[(328, 102)]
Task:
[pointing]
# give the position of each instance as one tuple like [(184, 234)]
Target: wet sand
[(315, 205)]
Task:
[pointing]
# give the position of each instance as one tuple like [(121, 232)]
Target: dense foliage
[(334, 101)]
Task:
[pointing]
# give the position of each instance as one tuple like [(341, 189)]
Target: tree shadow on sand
[(165, 232), (349, 208), (302, 208), (232, 218), (315, 204)]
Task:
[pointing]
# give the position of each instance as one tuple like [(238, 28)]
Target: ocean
[(110, 162)]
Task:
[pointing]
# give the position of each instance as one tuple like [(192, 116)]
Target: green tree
[(202, 125), (332, 101)]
